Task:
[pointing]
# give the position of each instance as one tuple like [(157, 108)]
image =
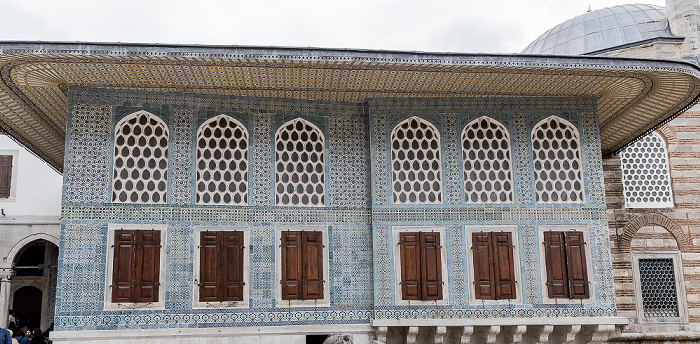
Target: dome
[(604, 29)]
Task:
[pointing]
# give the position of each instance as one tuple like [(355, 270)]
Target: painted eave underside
[(634, 95)]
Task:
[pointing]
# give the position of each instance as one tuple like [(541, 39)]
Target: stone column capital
[(6, 274)]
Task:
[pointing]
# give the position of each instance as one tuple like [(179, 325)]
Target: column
[(5, 286)]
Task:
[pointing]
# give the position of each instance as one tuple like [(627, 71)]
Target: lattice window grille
[(645, 173), (140, 159), (222, 162), (415, 156), (658, 285), (487, 162), (557, 162), (299, 164)]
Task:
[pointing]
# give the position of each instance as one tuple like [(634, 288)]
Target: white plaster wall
[(38, 188)]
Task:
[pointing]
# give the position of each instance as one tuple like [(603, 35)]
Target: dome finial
[(589, 8)]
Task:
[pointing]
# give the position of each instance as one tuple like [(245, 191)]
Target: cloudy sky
[(474, 26)]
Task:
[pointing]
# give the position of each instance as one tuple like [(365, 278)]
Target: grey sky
[(440, 25)]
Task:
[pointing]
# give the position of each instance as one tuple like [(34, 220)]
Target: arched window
[(487, 163), (222, 162), (557, 159), (645, 173), (415, 157), (140, 159), (299, 167)]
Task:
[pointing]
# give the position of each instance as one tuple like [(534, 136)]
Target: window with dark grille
[(421, 266), (221, 266), (5, 175), (494, 266), (565, 259), (136, 269), (658, 284), (302, 265)]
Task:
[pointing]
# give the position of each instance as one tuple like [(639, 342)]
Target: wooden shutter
[(209, 266), (291, 265), (576, 265), (147, 266), (484, 281), (5, 175), (312, 265), (555, 262), (232, 260), (123, 266), (431, 263), (504, 265), (410, 265)]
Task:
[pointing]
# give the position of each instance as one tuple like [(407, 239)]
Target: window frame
[(13, 176), (589, 264), (196, 304), (396, 235), (326, 300), (109, 270), (513, 229), (667, 177), (676, 258)]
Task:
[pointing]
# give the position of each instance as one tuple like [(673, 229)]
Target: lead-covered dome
[(604, 29)]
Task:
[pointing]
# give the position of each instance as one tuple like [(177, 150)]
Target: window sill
[(220, 305), (111, 306), (303, 303)]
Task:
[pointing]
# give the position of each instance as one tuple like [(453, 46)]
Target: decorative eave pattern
[(634, 95)]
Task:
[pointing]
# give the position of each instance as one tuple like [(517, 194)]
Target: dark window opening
[(32, 261), (316, 338)]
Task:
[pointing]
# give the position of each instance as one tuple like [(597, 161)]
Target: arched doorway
[(33, 290), (27, 304)]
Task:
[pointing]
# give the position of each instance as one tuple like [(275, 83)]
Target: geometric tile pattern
[(359, 213), (523, 212), (88, 212)]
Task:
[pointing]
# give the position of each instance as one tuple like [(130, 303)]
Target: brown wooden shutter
[(431, 263), (410, 266), (291, 265), (232, 260), (504, 265), (576, 265), (484, 281), (147, 266), (209, 266), (555, 262), (312, 265), (123, 266), (5, 175)]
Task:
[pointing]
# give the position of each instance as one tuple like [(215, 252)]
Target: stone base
[(362, 334)]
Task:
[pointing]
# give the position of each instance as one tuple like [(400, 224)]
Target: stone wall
[(643, 230)]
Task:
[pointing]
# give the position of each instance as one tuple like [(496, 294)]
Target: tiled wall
[(359, 212), (87, 211), (519, 116)]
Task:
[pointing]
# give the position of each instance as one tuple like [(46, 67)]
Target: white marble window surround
[(676, 262), (222, 162), (646, 176), (589, 263), (279, 302), (299, 164), (487, 163), (396, 231), (556, 150), (516, 264), (416, 163), (196, 304), (140, 169), (112, 306)]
